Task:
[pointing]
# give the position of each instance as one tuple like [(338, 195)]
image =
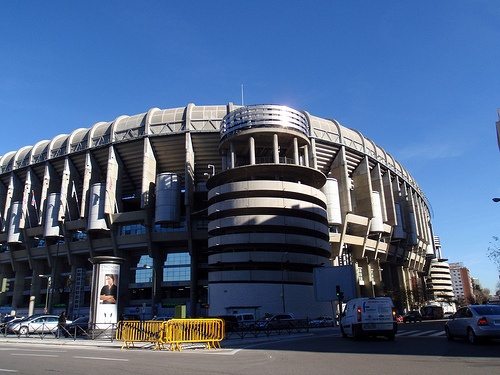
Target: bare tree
[(494, 252), (494, 255)]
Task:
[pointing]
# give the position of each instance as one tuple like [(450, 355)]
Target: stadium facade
[(219, 208)]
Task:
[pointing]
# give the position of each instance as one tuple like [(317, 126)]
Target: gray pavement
[(234, 341)]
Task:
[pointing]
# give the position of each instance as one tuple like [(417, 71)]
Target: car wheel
[(449, 336), (23, 330), (471, 336), (356, 335), (344, 335)]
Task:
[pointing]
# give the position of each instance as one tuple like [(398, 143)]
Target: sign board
[(327, 278)]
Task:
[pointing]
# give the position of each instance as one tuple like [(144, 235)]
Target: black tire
[(344, 335), (449, 336), (471, 336), (356, 335), (391, 337), (23, 330)]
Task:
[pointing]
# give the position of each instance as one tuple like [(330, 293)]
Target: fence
[(172, 333)]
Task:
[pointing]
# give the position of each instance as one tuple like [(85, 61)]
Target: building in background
[(462, 283), (439, 285), (217, 208)]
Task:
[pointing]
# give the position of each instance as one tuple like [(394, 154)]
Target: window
[(177, 267)]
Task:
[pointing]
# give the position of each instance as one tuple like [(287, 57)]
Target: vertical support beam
[(296, 159), (363, 196), (276, 151), (188, 201), (251, 147), (340, 172)]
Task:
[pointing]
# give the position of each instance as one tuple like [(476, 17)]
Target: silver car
[(36, 324), (475, 323)]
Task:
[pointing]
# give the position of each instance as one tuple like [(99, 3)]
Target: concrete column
[(232, 156), (251, 146), (276, 152), (296, 151)]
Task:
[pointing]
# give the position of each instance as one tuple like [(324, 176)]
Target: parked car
[(275, 321), (475, 323), (163, 318), (448, 315), (6, 320), (36, 324), (230, 322), (399, 318), (130, 317), (412, 316), (77, 327), (321, 321)]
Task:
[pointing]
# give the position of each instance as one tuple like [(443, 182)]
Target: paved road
[(418, 349)]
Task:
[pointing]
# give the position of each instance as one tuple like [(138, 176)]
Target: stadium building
[(221, 209)]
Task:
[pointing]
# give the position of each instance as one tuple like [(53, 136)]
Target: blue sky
[(421, 79)]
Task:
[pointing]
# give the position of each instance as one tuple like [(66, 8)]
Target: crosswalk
[(416, 333)]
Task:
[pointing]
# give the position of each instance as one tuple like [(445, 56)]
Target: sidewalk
[(232, 342)]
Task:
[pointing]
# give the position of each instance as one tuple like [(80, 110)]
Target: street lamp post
[(283, 282), (153, 289), (49, 284)]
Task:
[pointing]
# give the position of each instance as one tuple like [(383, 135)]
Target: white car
[(475, 322), (36, 324)]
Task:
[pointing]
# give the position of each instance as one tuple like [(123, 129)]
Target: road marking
[(102, 358), (405, 333), (421, 333), (35, 355), (430, 333), (439, 333), (7, 370)]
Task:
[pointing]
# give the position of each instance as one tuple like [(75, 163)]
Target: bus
[(432, 312)]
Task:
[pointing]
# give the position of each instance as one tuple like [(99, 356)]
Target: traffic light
[(340, 295), (5, 285)]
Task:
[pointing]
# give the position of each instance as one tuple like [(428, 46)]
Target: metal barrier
[(132, 331), (175, 332), (172, 333)]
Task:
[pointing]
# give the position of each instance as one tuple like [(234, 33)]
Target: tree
[(494, 252), (494, 255)]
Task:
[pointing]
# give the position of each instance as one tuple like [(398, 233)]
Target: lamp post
[(49, 283), (153, 289), (283, 282)]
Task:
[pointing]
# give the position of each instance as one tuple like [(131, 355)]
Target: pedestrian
[(61, 322)]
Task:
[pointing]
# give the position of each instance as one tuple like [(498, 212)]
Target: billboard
[(327, 278), (105, 291)]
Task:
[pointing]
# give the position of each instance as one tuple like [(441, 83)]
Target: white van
[(369, 317), (245, 320)]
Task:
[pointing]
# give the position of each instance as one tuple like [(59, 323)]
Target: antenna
[(242, 101)]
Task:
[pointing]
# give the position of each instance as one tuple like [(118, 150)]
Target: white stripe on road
[(7, 370), (102, 358), (439, 333), (35, 355), (421, 333)]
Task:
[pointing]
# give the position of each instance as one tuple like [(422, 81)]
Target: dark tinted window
[(487, 310)]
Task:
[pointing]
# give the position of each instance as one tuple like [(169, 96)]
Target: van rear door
[(377, 311)]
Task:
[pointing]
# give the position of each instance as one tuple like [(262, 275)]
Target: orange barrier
[(175, 332), (131, 331)]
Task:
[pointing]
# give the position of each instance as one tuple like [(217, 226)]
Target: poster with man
[(107, 296)]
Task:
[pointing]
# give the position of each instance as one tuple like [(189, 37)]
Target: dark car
[(130, 317), (230, 321), (412, 316), (78, 327), (277, 321)]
